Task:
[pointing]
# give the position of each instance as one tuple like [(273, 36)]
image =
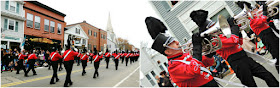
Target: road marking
[(127, 77)]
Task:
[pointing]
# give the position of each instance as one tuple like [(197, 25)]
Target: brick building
[(97, 37), (44, 26)]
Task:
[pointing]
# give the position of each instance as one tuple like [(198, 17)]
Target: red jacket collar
[(175, 56)]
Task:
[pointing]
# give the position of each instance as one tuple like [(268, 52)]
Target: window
[(16, 28), (11, 24), (58, 28), (46, 26), (52, 26), (104, 37), (101, 48), (17, 10), (95, 34), (77, 31), (77, 41), (161, 68), (7, 5), (150, 79), (84, 41), (101, 36), (153, 73), (13, 6), (89, 32), (29, 22), (37, 22), (94, 46), (5, 24)]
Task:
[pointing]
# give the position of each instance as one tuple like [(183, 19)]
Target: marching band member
[(260, 26), (96, 60), (84, 58), (244, 67), (31, 61), (54, 58), (116, 56), (21, 57), (107, 58), (185, 70), (68, 57)]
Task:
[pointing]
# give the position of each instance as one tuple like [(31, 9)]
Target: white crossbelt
[(95, 58), (203, 69), (83, 57), (117, 56), (126, 55), (19, 56), (53, 56), (107, 54), (67, 54)]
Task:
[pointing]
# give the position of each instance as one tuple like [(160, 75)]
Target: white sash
[(95, 58), (19, 56), (117, 56), (67, 54), (83, 57), (126, 55), (107, 54), (30, 55), (53, 55)]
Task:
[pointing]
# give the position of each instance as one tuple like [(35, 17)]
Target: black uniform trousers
[(54, 66), (68, 67), (60, 61), (245, 68), (271, 41), (84, 64), (20, 66), (116, 63), (122, 59), (107, 59), (31, 63), (96, 66), (126, 60)]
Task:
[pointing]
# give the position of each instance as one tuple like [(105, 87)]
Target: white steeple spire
[(109, 25)]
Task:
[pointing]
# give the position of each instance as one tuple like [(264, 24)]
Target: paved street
[(123, 77)]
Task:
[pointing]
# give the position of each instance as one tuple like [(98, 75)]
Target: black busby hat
[(200, 18), (94, 51), (84, 50), (157, 29), (241, 4), (54, 49)]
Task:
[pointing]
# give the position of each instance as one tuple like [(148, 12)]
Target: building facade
[(97, 37), (152, 63), (44, 26), (176, 14), (12, 24), (79, 34)]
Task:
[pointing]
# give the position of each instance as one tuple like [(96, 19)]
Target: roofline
[(86, 23), (47, 7)]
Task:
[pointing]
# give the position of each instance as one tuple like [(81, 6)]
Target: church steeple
[(109, 25)]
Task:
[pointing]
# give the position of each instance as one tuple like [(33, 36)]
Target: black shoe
[(94, 77), (57, 80), (71, 83), (17, 73), (83, 74), (65, 85), (26, 75), (35, 74), (52, 83)]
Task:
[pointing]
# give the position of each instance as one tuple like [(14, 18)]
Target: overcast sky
[(127, 16)]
